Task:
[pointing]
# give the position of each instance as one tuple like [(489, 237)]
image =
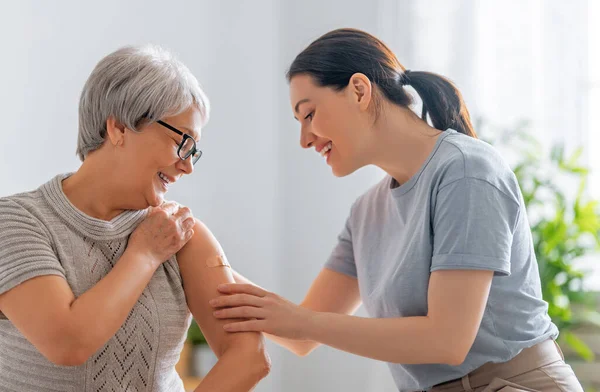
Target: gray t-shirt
[(462, 210)]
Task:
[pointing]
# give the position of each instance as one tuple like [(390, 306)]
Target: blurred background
[(529, 71)]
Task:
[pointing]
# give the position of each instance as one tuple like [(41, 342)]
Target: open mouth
[(326, 151), (165, 181)]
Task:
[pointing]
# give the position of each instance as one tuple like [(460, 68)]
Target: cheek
[(155, 157), (325, 126), (335, 122)]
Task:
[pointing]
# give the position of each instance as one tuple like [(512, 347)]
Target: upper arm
[(456, 303), (333, 292), (34, 293), (200, 283), (473, 226)]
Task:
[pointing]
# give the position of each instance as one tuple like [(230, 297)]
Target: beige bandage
[(217, 261)]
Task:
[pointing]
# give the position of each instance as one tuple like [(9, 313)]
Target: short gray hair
[(133, 84)]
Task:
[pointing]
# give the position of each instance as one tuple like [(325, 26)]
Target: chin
[(341, 172), (155, 199)]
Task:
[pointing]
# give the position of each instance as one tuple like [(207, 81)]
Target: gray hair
[(135, 84)]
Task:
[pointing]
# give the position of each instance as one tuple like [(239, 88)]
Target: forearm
[(236, 372), (98, 313), (298, 347), (407, 340)]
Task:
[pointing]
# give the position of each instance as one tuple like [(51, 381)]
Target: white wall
[(275, 208)]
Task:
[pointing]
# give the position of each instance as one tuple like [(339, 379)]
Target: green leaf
[(579, 346)]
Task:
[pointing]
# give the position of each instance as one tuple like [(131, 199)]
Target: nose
[(307, 138), (185, 166)]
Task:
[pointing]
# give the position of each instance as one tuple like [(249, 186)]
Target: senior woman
[(99, 276)]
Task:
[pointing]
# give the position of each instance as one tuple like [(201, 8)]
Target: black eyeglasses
[(187, 147)]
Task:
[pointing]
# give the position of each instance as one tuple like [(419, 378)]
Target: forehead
[(189, 121), (302, 87), (196, 134)]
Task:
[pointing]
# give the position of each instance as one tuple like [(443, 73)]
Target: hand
[(163, 233), (268, 312)]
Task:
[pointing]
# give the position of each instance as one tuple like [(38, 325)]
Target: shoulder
[(467, 158), (202, 244), (24, 207)]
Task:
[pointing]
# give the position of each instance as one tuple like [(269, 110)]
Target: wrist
[(312, 327), (141, 257)]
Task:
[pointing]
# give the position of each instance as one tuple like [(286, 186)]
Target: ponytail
[(442, 102)]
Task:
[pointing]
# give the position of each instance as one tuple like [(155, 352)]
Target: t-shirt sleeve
[(25, 248), (473, 226), (342, 257)]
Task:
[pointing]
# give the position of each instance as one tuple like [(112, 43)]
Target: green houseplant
[(195, 335), (565, 226)]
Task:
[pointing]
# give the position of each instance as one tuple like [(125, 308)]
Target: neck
[(403, 142), (92, 190)]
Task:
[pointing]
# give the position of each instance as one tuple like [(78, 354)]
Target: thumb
[(189, 234)]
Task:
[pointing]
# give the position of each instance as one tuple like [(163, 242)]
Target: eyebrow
[(300, 102), (195, 135)]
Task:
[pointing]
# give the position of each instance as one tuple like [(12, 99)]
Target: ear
[(361, 89), (115, 131)]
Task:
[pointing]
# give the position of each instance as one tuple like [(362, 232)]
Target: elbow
[(255, 361), (261, 364), (68, 348), (304, 349), (456, 359), (456, 353)]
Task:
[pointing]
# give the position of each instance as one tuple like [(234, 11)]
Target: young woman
[(439, 252)]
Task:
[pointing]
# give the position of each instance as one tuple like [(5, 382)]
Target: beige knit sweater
[(42, 233)]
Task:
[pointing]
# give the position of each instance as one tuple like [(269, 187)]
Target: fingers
[(246, 326), (236, 300), (183, 218), (188, 235), (170, 207), (245, 312), (183, 213), (238, 288)]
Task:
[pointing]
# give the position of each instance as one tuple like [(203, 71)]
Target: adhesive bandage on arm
[(219, 260)]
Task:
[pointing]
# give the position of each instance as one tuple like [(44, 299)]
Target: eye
[(310, 116)]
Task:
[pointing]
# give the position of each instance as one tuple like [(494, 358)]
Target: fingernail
[(212, 302), (227, 327), (216, 312), (221, 286)]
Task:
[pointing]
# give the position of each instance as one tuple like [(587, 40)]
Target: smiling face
[(335, 123), (149, 159)]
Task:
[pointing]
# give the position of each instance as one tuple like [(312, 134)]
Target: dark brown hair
[(332, 59)]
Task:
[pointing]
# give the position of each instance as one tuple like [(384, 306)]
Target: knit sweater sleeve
[(25, 247)]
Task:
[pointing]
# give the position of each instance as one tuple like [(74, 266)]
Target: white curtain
[(512, 59)]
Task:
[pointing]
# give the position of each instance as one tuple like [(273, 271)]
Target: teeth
[(326, 149), (165, 179)]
